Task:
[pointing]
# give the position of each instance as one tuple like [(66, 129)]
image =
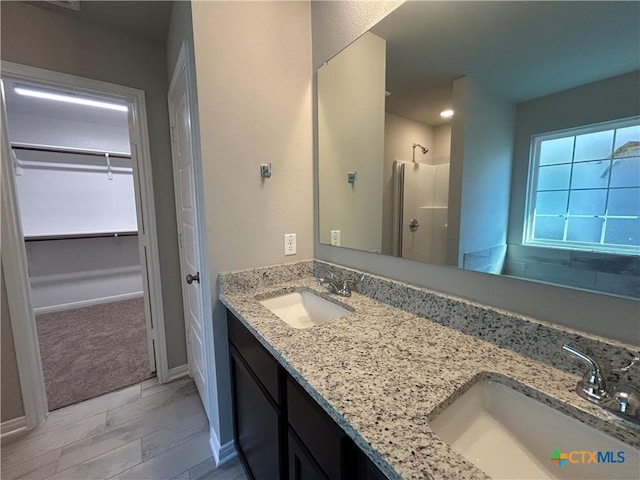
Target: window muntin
[(584, 188)]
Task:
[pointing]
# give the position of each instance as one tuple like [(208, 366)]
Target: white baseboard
[(177, 372), (221, 453), (86, 303), (13, 426)]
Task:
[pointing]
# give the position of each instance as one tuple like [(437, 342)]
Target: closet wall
[(70, 195)]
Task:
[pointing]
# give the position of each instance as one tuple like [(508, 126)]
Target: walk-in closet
[(77, 201)]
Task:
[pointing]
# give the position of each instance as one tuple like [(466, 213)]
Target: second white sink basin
[(303, 309), (509, 435)]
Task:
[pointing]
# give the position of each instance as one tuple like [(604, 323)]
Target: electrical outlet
[(335, 238), (289, 243)]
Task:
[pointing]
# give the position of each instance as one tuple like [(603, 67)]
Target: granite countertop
[(383, 372)]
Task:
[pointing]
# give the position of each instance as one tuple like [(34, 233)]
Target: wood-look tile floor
[(147, 431)]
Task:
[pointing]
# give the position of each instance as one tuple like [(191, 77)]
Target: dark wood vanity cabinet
[(281, 433)]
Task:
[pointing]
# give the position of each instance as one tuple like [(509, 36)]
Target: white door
[(186, 212)]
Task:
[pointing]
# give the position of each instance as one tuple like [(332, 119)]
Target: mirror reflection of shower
[(424, 150)]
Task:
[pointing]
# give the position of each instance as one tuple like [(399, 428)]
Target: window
[(584, 188)]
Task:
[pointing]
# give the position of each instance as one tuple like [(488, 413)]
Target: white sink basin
[(509, 435), (304, 309)]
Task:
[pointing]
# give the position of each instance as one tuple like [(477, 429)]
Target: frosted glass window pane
[(587, 202), (584, 229), (622, 231), (625, 135), (624, 201), (559, 150), (625, 173), (590, 175), (550, 228), (551, 202), (554, 177), (593, 146)]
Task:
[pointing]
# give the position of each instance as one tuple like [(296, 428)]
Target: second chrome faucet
[(620, 399)]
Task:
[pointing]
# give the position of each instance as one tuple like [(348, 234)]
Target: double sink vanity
[(394, 381)]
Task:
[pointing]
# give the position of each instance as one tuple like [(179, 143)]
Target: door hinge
[(181, 240), (173, 134)]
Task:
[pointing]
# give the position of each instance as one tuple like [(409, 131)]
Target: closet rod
[(42, 238), (79, 151)]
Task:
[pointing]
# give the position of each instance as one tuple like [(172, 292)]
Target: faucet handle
[(593, 385)]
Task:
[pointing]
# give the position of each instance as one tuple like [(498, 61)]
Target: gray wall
[(11, 405), (180, 29), (334, 25), (62, 43), (253, 62), (481, 154), (350, 139)]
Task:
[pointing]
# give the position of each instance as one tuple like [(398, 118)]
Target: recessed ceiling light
[(69, 99), (446, 113)]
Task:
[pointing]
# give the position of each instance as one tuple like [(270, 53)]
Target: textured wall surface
[(336, 24), (254, 77)]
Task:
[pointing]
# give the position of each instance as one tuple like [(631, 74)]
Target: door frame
[(15, 262)]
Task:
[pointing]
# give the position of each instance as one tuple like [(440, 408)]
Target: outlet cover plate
[(335, 238), (289, 244)]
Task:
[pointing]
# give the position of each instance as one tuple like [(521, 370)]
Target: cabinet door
[(367, 470), (256, 424), (301, 465), (323, 438)]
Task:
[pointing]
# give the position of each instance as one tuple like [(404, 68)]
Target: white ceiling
[(522, 50)]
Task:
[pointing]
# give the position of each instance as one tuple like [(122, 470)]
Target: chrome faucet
[(339, 287), (620, 399)]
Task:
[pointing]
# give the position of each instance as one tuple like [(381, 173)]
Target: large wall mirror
[(502, 137)]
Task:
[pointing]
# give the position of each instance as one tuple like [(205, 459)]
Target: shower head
[(424, 149)]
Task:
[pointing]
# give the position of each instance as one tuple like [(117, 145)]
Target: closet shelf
[(79, 151), (77, 236)]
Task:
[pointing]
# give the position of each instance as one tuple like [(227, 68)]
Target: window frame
[(532, 184)]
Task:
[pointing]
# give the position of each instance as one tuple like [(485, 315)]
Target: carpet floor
[(90, 351)]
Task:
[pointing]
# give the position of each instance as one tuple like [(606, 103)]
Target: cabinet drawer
[(262, 364), (326, 442)]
